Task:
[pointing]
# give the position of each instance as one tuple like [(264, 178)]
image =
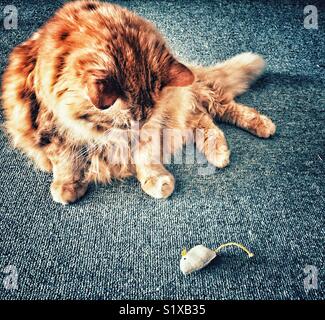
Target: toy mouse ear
[(179, 75), (103, 92)]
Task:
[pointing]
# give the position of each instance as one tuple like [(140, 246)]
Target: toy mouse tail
[(239, 245)]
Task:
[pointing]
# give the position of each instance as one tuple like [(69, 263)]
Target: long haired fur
[(86, 94)]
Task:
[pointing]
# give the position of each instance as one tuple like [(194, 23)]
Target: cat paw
[(159, 187), (44, 165), (220, 158), (265, 127), (66, 193), (42, 162)]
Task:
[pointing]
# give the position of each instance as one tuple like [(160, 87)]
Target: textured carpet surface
[(118, 243)]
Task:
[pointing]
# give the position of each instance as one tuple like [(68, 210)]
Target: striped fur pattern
[(84, 94)]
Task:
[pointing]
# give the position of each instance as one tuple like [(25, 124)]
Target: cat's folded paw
[(159, 187), (66, 193), (219, 158), (265, 127), (41, 161), (44, 165)]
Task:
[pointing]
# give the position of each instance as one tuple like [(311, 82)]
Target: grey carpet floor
[(118, 243)]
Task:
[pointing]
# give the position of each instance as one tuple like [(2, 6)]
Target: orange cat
[(90, 95)]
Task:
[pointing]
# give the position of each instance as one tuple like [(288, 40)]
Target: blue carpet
[(118, 243)]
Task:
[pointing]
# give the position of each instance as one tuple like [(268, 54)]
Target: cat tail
[(236, 74)]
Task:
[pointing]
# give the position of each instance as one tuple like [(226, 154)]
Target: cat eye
[(105, 107)]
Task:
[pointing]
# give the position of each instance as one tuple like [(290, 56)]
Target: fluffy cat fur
[(83, 96)]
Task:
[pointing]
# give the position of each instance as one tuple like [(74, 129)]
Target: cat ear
[(103, 92), (179, 75)]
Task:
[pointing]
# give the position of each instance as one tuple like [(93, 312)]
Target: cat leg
[(211, 141), (39, 158), (155, 179), (68, 180), (246, 118)]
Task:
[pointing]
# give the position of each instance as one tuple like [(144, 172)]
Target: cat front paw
[(220, 158), (66, 193), (44, 165), (42, 162), (265, 128), (159, 187)]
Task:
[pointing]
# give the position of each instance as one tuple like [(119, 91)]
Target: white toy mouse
[(200, 256)]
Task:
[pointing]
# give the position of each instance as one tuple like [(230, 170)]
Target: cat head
[(137, 70)]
